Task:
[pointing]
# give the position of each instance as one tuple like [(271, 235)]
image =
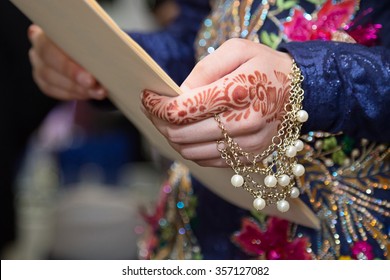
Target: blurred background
[(72, 175)]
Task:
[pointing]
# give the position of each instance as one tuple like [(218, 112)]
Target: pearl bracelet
[(278, 163)]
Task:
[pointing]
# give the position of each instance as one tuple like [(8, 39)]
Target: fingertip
[(99, 93), (85, 79), (32, 31)]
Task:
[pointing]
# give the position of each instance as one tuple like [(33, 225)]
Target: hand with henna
[(56, 74), (246, 83)]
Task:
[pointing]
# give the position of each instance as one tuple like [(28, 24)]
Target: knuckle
[(66, 67), (173, 135), (254, 124), (186, 154), (249, 126), (253, 143), (63, 64), (201, 66), (181, 150), (238, 43), (77, 91), (256, 142)]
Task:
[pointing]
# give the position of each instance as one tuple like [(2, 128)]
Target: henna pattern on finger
[(237, 99), (201, 106), (261, 95)]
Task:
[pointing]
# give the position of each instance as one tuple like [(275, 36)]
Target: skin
[(245, 83), (247, 88), (56, 74)]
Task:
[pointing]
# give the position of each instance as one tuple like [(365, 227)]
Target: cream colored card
[(84, 31)]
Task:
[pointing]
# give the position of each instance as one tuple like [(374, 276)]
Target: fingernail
[(84, 79), (31, 30), (97, 93)]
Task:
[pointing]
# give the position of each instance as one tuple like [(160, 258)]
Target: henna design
[(237, 98)]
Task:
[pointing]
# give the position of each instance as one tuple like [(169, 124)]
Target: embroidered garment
[(347, 92)]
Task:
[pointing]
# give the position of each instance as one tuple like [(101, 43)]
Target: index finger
[(227, 58), (56, 59)]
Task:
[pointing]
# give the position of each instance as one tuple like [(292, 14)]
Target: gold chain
[(278, 163)]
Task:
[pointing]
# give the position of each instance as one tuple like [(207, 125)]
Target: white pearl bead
[(237, 180), (298, 170), (291, 151), (284, 180), (294, 193), (283, 205), (259, 203), (302, 116), (270, 181), (299, 145)]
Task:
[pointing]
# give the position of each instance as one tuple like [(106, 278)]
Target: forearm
[(347, 87)]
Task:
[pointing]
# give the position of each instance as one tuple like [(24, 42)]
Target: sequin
[(340, 185)]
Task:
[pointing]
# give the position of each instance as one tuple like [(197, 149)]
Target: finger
[(206, 130), (207, 152), (57, 59), (55, 79), (198, 151), (228, 93), (59, 80), (253, 143), (228, 57), (55, 92), (238, 95), (219, 162)]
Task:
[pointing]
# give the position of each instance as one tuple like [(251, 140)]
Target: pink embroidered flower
[(272, 243), (366, 34), (321, 24), (361, 250)]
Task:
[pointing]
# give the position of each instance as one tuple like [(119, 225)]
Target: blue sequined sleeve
[(172, 48), (347, 87)]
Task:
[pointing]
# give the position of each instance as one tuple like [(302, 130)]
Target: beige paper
[(84, 31)]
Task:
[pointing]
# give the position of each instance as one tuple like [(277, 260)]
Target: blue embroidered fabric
[(347, 88)]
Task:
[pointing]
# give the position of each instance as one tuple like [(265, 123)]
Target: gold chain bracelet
[(278, 163)]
